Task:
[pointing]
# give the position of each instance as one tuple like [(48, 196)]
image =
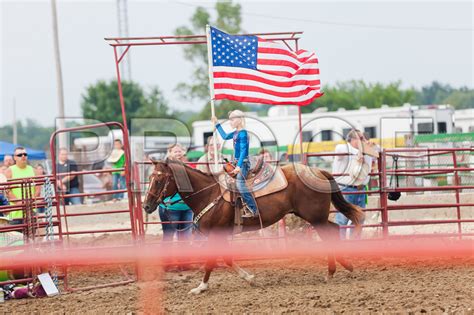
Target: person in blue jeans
[(355, 166), (356, 199), (117, 158), (176, 215), (3, 202), (241, 157), (177, 218), (3, 199)]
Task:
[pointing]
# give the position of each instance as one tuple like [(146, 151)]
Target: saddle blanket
[(258, 187)]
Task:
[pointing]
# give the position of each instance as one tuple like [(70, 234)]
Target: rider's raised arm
[(242, 141), (224, 135)]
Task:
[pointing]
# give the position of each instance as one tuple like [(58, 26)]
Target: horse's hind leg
[(334, 229), (325, 234), (250, 278), (329, 232)]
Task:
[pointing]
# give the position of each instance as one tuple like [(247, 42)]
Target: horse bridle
[(153, 177), (169, 178)]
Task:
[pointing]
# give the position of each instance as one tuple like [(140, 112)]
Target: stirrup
[(248, 213)]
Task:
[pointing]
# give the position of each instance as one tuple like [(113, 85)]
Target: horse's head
[(162, 185)]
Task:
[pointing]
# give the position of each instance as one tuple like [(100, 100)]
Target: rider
[(241, 157)]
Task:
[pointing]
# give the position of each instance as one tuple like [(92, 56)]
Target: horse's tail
[(352, 212)]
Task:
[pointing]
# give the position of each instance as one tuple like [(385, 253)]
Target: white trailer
[(280, 127)]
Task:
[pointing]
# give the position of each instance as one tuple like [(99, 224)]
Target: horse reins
[(168, 180)]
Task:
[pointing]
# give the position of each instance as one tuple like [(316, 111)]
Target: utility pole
[(122, 19), (410, 180), (15, 131), (411, 143), (59, 75)]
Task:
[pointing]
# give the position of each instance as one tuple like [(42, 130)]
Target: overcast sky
[(383, 41)]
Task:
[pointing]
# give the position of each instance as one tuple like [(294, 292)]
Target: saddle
[(269, 179), (256, 164)]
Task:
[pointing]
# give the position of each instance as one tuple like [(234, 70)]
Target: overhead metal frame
[(128, 42)]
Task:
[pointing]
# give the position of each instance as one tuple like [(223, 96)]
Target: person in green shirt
[(13, 238), (21, 169), (117, 158)]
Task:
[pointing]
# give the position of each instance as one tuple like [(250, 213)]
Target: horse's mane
[(168, 161)]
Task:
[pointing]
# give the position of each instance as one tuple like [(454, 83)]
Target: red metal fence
[(420, 190), (32, 228), (418, 166)]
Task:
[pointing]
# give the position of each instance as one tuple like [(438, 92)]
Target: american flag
[(254, 70)]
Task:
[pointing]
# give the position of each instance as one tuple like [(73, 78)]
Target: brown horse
[(298, 198)]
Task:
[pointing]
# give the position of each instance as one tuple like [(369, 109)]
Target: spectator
[(21, 169), (3, 198), (39, 171), (356, 166), (208, 158), (68, 184), (11, 238), (267, 156), (8, 160), (3, 169), (117, 158), (284, 157), (178, 211)]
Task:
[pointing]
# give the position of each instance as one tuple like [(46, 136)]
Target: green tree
[(356, 93), (435, 93), (228, 19), (101, 102), (30, 134), (462, 98)]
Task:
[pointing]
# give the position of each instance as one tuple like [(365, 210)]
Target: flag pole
[(211, 89), (300, 125)]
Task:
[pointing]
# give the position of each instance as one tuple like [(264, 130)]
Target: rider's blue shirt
[(241, 143)]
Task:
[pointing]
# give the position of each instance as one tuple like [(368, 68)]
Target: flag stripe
[(290, 70), (264, 56), (264, 85), (264, 75), (294, 66), (274, 98), (289, 74), (249, 88), (254, 78), (300, 58), (264, 100)]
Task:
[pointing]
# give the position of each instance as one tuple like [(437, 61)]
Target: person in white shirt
[(208, 158), (356, 167)]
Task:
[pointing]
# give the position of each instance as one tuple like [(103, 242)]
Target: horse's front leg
[(204, 285)]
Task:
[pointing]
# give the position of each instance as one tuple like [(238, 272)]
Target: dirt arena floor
[(378, 285)]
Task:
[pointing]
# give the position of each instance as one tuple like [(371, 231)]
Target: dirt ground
[(378, 285)]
